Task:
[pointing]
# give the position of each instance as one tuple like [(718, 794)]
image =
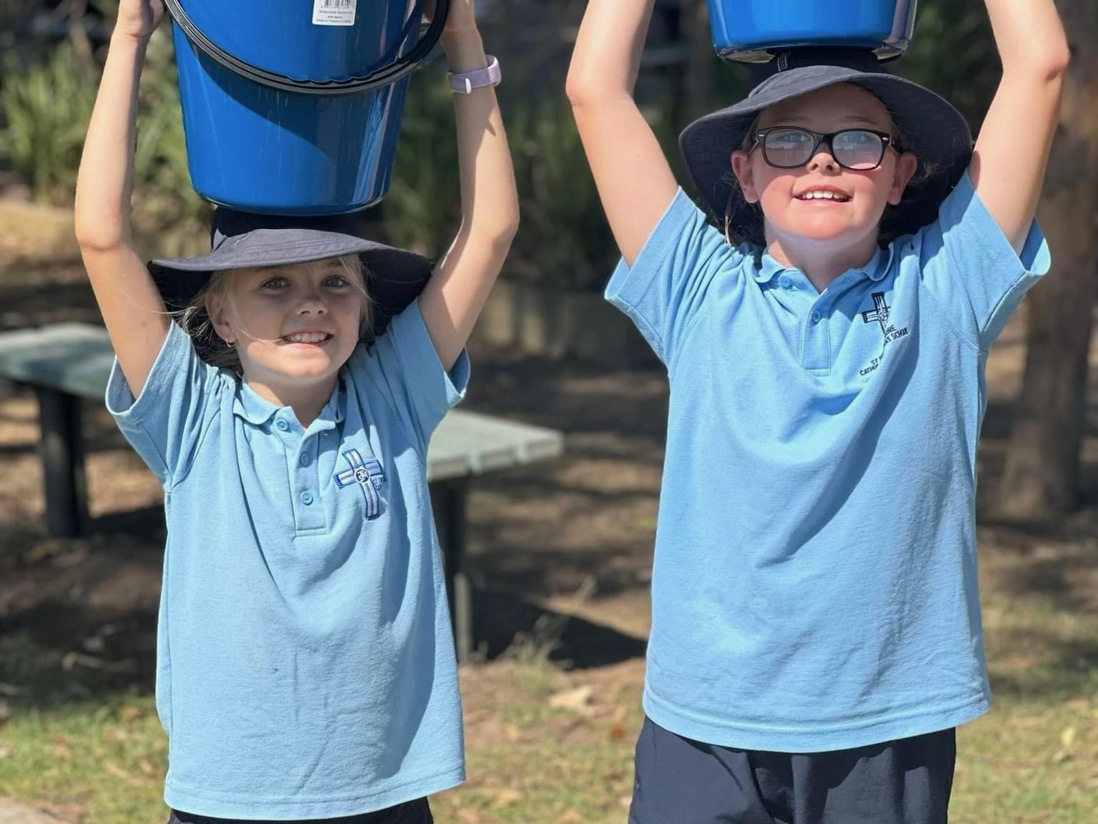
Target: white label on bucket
[(333, 12)]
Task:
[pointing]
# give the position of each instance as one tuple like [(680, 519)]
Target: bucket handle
[(380, 77)]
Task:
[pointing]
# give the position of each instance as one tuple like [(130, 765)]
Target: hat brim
[(394, 277), (931, 128)]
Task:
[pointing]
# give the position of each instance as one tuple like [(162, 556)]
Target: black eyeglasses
[(860, 150)]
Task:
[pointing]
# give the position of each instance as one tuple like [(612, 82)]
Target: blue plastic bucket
[(294, 106), (750, 30)]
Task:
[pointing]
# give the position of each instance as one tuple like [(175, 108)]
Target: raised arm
[(1008, 167), (456, 293), (128, 299), (633, 177)]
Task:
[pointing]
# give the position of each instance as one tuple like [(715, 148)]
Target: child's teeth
[(313, 337)]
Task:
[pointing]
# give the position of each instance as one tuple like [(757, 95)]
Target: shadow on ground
[(507, 626)]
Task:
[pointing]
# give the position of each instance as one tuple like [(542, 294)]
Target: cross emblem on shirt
[(879, 313), (368, 475)]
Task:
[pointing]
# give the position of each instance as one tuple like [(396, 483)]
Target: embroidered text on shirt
[(880, 313)]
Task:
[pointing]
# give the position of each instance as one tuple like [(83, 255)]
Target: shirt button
[(282, 425), (816, 316), (305, 459), (306, 498), (785, 282)]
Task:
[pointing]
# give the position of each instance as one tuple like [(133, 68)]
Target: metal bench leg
[(448, 502), (62, 450)]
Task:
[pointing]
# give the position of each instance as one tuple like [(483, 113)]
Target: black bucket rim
[(383, 76)]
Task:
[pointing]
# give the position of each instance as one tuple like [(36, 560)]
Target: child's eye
[(336, 282), (790, 139), (273, 283)]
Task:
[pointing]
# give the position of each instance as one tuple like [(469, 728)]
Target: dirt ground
[(559, 552)]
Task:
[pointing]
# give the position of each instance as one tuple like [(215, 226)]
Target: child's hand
[(138, 18), (461, 16)]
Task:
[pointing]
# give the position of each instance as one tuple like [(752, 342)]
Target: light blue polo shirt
[(814, 585), (305, 664)]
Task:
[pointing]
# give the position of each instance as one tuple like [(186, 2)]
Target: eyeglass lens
[(855, 149)]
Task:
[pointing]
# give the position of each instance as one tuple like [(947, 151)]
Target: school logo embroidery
[(368, 475), (881, 313)]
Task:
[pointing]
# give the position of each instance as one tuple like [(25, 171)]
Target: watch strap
[(465, 82)]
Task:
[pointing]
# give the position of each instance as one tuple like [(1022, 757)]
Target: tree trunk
[(1041, 478)]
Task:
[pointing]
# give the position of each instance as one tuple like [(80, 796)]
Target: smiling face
[(292, 326), (820, 208)]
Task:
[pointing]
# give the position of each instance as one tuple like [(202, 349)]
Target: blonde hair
[(195, 319)]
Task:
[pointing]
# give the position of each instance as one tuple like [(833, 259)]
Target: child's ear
[(218, 312), (906, 166), (745, 175)]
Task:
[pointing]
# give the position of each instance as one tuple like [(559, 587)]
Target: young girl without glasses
[(306, 665), (816, 631)]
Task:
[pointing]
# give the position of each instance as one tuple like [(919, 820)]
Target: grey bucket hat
[(929, 126), (238, 240)]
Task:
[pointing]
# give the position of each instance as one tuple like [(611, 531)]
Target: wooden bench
[(66, 363)]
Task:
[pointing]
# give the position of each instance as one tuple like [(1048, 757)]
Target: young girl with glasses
[(816, 631)]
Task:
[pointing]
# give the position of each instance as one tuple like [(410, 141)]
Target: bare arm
[(128, 299), (1008, 167), (633, 177), (459, 287)]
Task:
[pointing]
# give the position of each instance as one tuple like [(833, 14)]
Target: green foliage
[(422, 208), (953, 53), (164, 200), (564, 239), (46, 107)]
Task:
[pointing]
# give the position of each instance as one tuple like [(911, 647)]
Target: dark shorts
[(411, 812), (679, 781)]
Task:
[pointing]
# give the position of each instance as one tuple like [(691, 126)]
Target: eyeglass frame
[(887, 142)]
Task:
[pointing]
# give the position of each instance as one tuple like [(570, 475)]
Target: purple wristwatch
[(465, 82)]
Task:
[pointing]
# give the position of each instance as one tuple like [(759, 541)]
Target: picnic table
[(66, 363)]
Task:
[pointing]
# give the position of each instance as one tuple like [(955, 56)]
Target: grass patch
[(73, 748), (551, 746), (1034, 758), (98, 762), (1026, 763), (537, 759), (101, 759)]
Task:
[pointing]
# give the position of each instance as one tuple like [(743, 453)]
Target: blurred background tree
[(1042, 477)]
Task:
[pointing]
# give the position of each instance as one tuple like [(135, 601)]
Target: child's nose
[(823, 159), (311, 303)]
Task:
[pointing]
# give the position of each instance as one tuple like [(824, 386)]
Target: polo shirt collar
[(257, 410), (251, 407), (767, 268), (881, 262)]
